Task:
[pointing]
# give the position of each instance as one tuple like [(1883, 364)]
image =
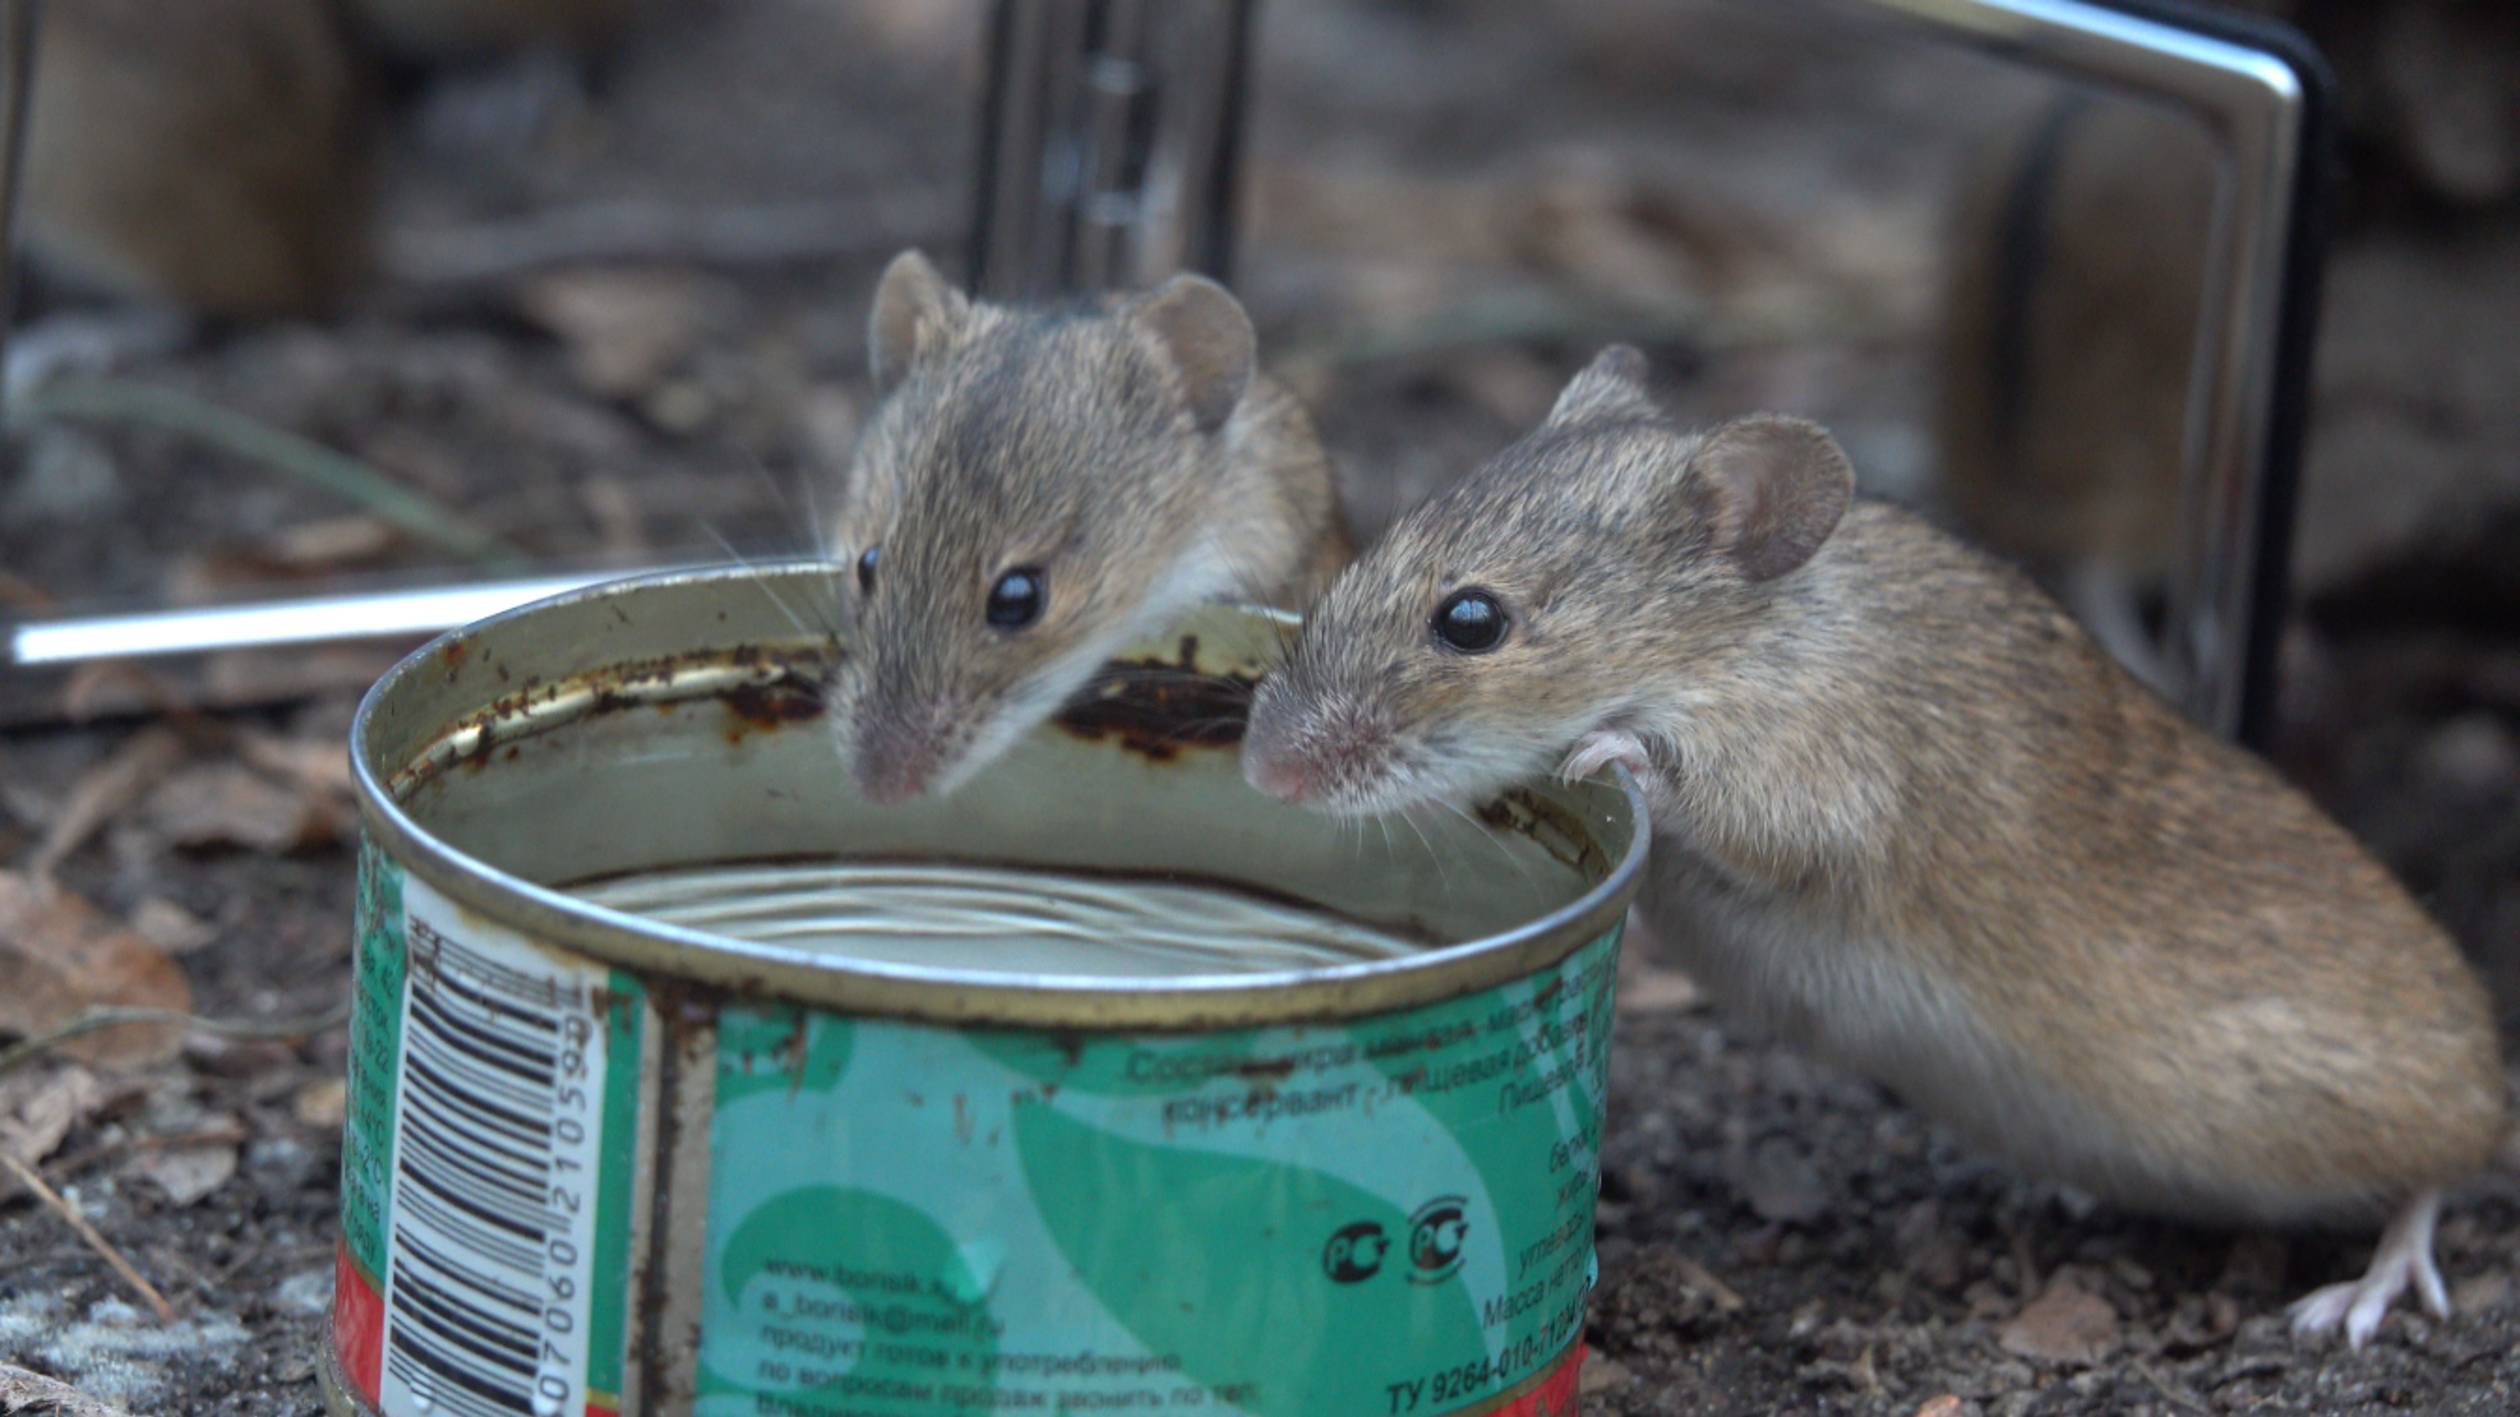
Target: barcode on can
[(488, 1284)]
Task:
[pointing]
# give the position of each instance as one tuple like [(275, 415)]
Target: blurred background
[(335, 292)]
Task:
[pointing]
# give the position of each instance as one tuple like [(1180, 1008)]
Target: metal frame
[(1094, 171)]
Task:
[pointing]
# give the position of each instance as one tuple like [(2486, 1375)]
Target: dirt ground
[(1450, 206)]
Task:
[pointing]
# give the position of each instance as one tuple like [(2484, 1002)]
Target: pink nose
[(1281, 775), (886, 774)]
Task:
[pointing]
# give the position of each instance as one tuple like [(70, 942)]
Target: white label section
[(492, 1218)]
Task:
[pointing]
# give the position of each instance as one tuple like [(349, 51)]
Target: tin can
[(599, 1164)]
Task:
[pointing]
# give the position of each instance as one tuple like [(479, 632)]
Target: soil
[(1450, 207)]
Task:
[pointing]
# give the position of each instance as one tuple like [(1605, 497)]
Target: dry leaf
[(321, 1104), (1947, 1405), (2065, 1324), (61, 955), (105, 792), (228, 804), (171, 927), (25, 1394), (1647, 988), (1603, 1375), (38, 1109), (319, 765), (186, 1173), (624, 329)]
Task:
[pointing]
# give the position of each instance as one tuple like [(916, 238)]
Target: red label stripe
[(358, 1325)]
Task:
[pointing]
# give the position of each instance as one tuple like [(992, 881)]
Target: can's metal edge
[(960, 998)]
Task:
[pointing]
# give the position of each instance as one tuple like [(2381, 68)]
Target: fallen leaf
[(38, 1109), (1603, 1375), (105, 792), (1650, 989), (1701, 1279), (63, 955), (186, 1173), (2065, 1324), (229, 804), (26, 1394), (320, 765), (171, 927), (623, 330), (1947, 1405), (321, 1104)]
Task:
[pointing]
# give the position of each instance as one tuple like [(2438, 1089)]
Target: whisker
[(762, 582), (1492, 836)]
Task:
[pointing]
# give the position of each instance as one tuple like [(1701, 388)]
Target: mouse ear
[(1204, 329), (1774, 488), (916, 312), (1612, 386)]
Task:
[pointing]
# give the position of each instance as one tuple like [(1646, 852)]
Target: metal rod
[(416, 611)]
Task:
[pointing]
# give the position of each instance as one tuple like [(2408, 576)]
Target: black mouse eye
[(866, 568), (1470, 621), (1016, 600)]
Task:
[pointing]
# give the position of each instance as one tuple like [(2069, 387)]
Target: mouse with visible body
[(1040, 486), (1906, 812)]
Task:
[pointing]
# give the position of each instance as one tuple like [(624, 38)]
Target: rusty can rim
[(949, 996)]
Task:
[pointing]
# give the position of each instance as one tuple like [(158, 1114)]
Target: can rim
[(959, 996)]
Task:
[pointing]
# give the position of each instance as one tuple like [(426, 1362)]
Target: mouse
[(1907, 814), (1038, 486), (2070, 324), (216, 154)]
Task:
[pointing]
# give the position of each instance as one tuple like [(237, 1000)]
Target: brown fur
[(1908, 813), (1124, 447), (210, 152)]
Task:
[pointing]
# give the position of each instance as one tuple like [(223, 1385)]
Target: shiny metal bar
[(1110, 132), (2253, 104), (418, 611)]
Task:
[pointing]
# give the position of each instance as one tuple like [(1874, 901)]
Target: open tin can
[(603, 1162)]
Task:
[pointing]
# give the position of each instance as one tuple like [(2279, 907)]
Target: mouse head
[(1591, 576), (1034, 490)]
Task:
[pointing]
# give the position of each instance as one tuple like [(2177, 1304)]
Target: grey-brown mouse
[(1908, 814), (1038, 487)]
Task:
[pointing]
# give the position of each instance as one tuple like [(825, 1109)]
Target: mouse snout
[(895, 762), (1281, 774), (1313, 758)]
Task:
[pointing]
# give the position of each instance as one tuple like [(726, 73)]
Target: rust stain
[(1158, 707)]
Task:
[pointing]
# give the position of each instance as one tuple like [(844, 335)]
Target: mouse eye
[(1016, 600), (1470, 622), (866, 568)]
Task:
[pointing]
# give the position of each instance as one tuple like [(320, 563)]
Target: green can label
[(1391, 1215)]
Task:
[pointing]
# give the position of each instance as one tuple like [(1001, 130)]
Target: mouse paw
[(1599, 749), (2403, 1259)]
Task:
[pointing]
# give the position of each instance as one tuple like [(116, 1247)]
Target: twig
[(33, 1046), (310, 462), (50, 1197)]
